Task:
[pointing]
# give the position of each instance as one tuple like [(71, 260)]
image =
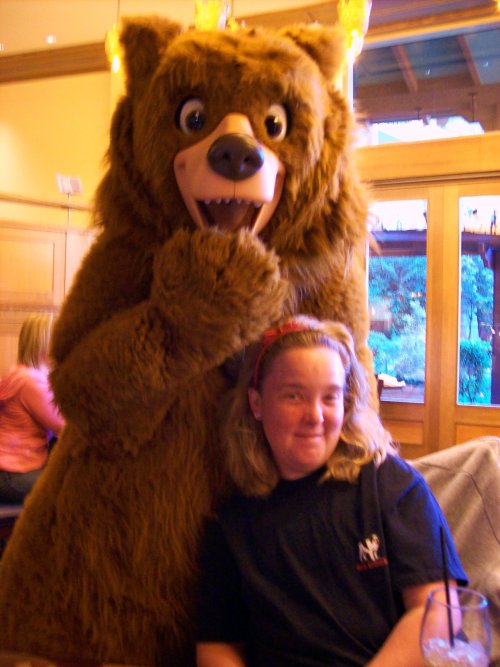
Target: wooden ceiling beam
[(84, 58), (65, 61), (405, 66), (440, 99), (388, 33), (469, 59)]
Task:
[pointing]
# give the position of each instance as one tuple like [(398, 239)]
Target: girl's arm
[(402, 646), (38, 400), (211, 654)]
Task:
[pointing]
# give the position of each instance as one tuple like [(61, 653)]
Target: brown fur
[(102, 563)]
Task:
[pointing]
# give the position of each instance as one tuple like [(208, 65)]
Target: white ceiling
[(24, 24)]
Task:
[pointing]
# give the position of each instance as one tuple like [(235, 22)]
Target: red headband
[(270, 337)]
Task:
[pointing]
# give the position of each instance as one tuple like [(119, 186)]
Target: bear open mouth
[(228, 204), (229, 214)]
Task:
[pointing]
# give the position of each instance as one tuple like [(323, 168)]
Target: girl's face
[(301, 407)]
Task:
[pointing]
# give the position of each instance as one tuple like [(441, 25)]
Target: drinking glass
[(457, 633)]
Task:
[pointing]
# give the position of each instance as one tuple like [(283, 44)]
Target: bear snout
[(235, 156)]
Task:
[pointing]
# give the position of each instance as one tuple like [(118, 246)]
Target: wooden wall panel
[(465, 432), (31, 267), (409, 436), (37, 266), (405, 432)]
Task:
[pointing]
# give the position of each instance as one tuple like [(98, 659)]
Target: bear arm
[(211, 295), (115, 274), (111, 384)]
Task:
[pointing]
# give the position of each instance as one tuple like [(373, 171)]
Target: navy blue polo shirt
[(313, 575)]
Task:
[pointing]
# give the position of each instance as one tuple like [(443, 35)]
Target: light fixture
[(208, 15), (354, 16), (112, 43), (212, 14), (112, 48)]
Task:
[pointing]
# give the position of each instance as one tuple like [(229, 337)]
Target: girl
[(29, 420), (327, 553)]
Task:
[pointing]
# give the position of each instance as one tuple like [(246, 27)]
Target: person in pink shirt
[(29, 420)]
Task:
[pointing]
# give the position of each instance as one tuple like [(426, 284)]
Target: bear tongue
[(228, 216)]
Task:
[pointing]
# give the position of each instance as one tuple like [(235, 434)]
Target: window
[(416, 87), (479, 322), (397, 274)]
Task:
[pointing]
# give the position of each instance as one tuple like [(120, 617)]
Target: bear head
[(234, 129)]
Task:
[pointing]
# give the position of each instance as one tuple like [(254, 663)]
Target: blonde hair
[(34, 340), (362, 438)]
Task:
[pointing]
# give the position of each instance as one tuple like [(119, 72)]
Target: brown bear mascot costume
[(230, 202)]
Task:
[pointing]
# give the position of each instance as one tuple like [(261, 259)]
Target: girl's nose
[(314, 412)]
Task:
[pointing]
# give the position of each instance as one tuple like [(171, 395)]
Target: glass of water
[(456, 632)]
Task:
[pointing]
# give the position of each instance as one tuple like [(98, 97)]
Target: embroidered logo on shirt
[(368, 554)]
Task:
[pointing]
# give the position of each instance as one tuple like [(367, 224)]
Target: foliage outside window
[(479, 331), (397, 294)]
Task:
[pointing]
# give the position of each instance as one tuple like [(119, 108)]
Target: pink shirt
[(28, 418)]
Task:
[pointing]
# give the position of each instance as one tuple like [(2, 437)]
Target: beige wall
[(49, 126)]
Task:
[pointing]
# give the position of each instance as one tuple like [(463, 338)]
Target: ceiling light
[(211, 14), (354, 16), (50, 39), (112, 48)]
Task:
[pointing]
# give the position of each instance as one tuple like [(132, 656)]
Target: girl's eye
[(191, 116), (276, 122), (334, 396)]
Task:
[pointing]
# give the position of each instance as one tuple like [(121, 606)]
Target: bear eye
[(276, 122), (191, 116)]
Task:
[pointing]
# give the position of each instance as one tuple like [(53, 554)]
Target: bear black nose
[(236, 156)]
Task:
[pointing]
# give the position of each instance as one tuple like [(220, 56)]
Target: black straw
[(446, 585)]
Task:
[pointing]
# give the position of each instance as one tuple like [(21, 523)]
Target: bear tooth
[(218, 201), (257, 204)]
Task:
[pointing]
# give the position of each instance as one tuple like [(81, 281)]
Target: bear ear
[(143, 40), (326, 45)]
